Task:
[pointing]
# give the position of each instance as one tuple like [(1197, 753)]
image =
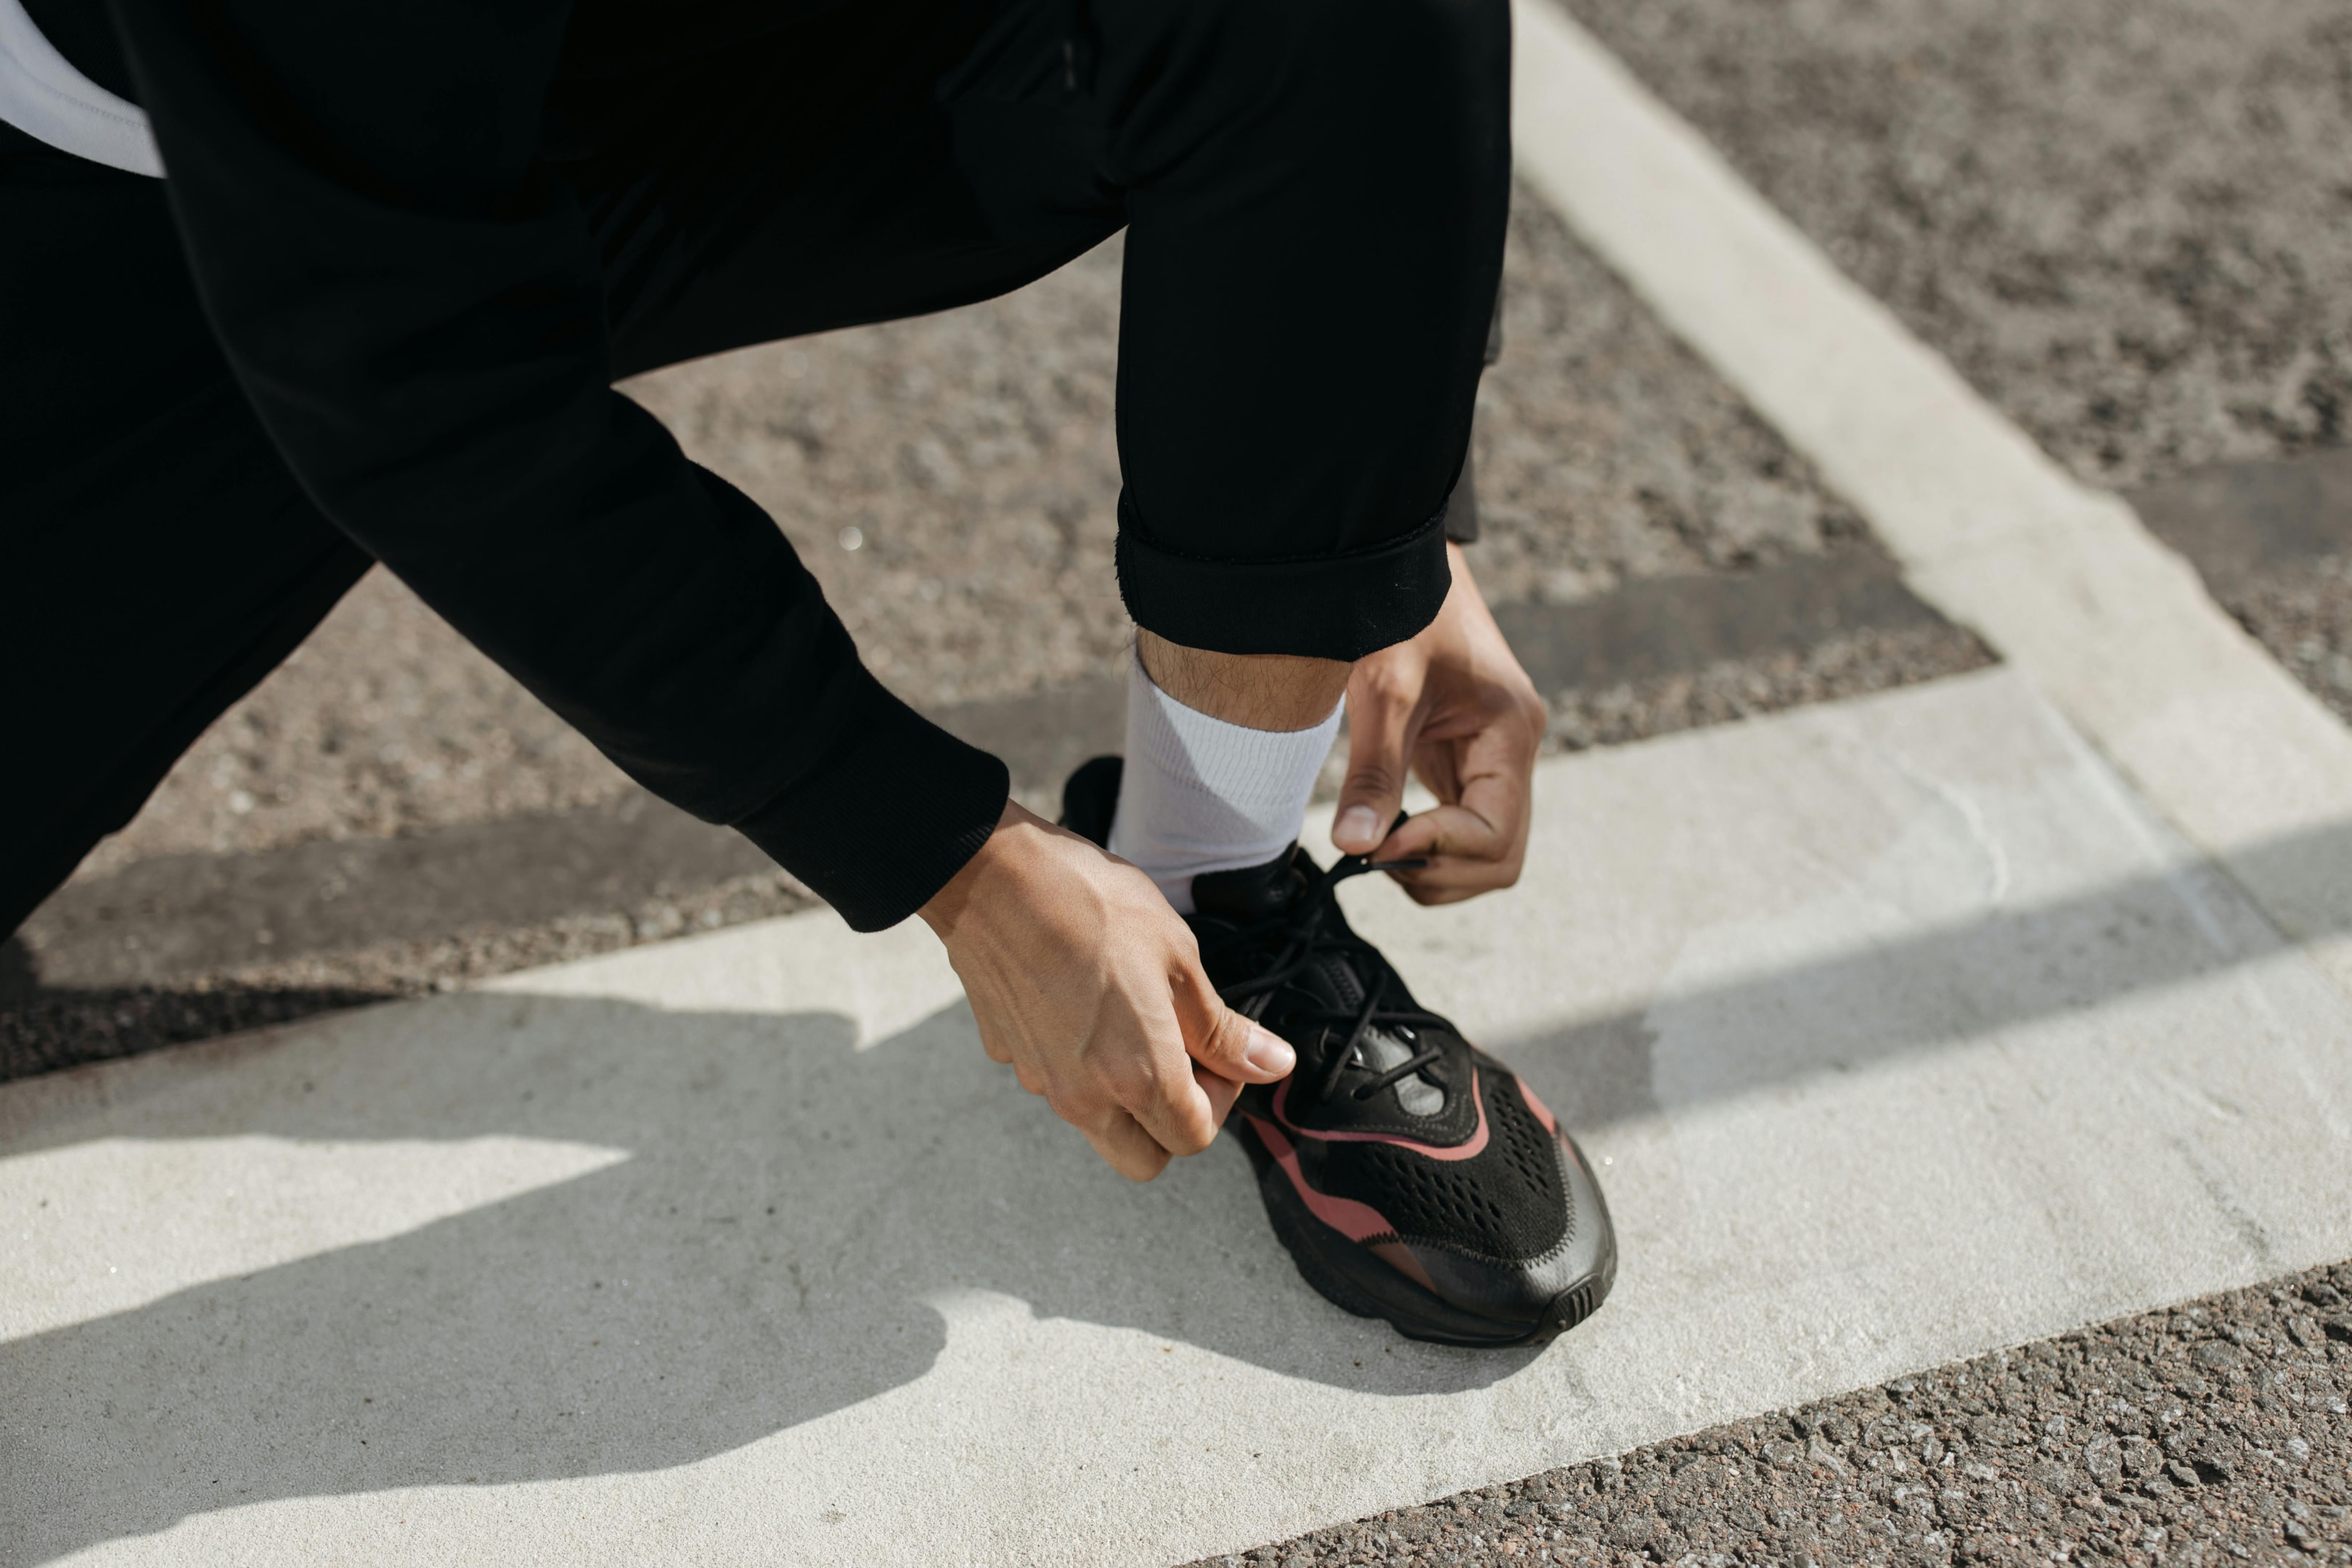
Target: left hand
[(1453, 705)]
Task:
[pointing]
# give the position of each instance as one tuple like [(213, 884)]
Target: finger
[(1473, 847), (1465, 852), (1380, 739), (1221, 1092), (1222, 1040), (1126, 1148), (1445, 833), (1436, 765), (1490, 777), (1162, 1095)]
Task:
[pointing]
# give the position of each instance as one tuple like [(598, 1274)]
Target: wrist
[(946, 909)]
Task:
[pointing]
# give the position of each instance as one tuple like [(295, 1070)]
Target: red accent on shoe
[(1356, 1222), (1542, 1111), (1400, 1257), (1468, 1149)]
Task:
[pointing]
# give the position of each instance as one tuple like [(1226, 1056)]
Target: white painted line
[(2061, 579), (1903, 1030)]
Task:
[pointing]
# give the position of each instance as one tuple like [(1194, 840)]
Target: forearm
[(416, 313)]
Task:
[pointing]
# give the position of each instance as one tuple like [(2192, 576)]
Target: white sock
[(1200, 794)]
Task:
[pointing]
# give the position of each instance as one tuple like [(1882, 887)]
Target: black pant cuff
[(1339, 607)]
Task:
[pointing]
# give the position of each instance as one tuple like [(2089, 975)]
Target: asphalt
[(969, 457), (2124, 223), (2273, 542), (175, 947), (2210, 1432), (390, 813)]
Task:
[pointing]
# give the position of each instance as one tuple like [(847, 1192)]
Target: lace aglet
[(1411, 863)]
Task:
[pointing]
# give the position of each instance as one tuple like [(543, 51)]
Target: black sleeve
[(1462, 506), (413, 306)]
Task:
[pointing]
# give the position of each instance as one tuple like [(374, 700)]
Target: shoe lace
[(1306, 938)]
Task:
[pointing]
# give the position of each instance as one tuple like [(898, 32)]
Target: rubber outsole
[(1342, 1272)]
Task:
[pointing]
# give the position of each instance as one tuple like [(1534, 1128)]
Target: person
[(286, 291)]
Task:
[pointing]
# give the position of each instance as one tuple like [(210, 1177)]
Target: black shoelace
[(1306, 938)]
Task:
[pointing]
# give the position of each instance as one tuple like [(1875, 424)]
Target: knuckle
[(1390, 687), (1227, 1042), (1193, 1138), (1130, 1080), (1078, 1109)]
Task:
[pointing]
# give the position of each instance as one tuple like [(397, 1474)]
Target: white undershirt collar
[(43, 96)]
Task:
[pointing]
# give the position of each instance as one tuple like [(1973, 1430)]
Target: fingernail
[(1271, 1053), (1357, 824)]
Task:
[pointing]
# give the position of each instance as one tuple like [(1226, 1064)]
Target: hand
[(1455, 704), (1084, 980)]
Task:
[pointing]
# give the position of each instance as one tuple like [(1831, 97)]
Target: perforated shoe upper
[(1389, 1108)]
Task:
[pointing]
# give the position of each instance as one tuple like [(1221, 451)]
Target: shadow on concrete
[(787, 1236), (1945, 984), (795, 1221)]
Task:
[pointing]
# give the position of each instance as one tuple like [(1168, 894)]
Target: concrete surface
[(2060, 579), (1902, 1029), (2206, 1434)]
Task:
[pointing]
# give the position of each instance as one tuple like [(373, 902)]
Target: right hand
[(1083, 978)]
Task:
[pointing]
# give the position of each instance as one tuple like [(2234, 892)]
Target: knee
[(1427, 36), (1377, 74), (1455, 49)]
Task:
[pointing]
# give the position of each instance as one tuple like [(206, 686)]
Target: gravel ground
[(952, 481), (2304, 618), (1606, 451), (2128, 222), (967, 457), (45, 1029), (2214, 1432), (1846, 665), (384, 721)]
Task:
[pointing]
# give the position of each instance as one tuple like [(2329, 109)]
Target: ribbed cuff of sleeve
[(896, 811)]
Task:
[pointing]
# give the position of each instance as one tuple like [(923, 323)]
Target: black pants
[(1315, 194)]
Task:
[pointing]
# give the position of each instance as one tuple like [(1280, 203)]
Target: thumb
[(1379, 727), (1224, 1042)]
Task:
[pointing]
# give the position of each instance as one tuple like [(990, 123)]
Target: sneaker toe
[(1537, 1297)]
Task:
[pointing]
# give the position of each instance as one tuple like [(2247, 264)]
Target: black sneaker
[(1412, 1176)]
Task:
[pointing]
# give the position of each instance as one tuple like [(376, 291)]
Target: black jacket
[(408, 291)]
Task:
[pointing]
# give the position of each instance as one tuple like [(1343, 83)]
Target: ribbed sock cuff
[(1199, 794)]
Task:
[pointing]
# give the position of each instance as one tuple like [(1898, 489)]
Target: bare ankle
[(1256, 690)]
